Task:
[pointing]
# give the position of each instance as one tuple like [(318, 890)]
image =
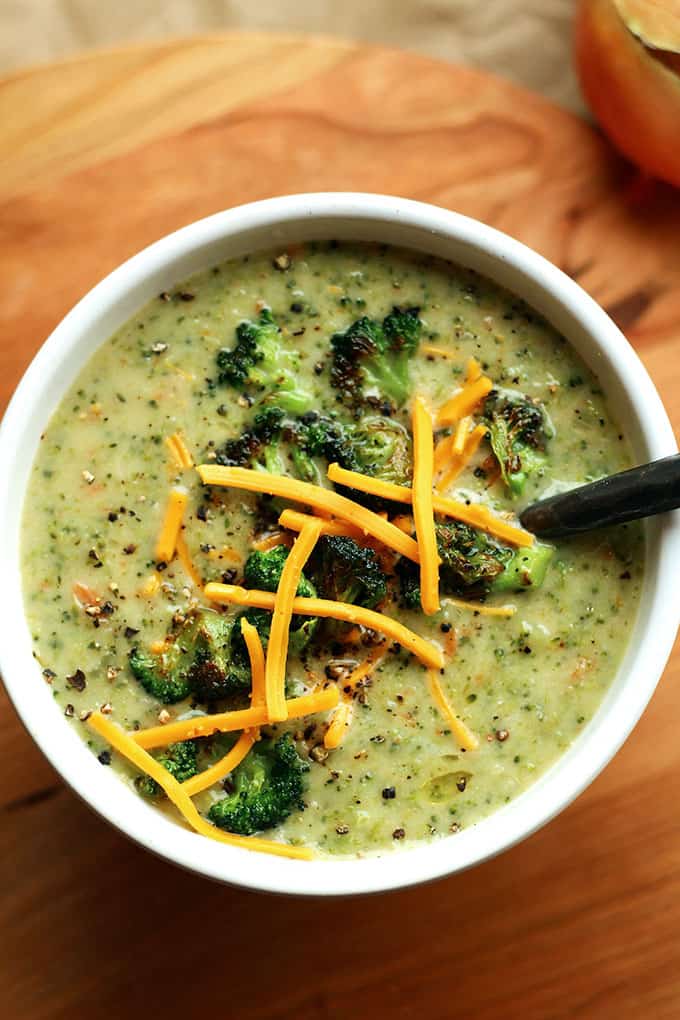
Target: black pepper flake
[(297, 307), (318, 368), (342, 830), (389, 793), (202, 512), (129, 549), (104, 758), (229, 576), (130, 632), (502, 735), (113, 516), (445, 627), (107, 609), (49, 675), (69, 711), (222, 410), (164, 296), (186, 295), (77, 680), (399, 833), (299, 332), (461, 784), (625, 576)]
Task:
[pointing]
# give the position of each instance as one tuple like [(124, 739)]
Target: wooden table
[(102, 155)]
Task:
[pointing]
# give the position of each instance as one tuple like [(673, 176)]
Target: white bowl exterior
[(632, 398)]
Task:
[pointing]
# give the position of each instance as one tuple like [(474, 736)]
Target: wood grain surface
[(104, 154)]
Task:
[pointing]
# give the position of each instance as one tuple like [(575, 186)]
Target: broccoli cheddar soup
[(273, 566)]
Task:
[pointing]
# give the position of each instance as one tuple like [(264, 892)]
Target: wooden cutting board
[(100, 156)]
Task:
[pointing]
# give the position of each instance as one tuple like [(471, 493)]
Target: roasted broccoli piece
[(371, 360), (262, 570), (519, 429), (260, 362), (469, 559), (472, 563), (526, 568), (268, 786), (196, 661), (181, 762), (259, 446), (348, 572)]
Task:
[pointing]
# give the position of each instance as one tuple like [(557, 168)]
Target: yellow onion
[(628, 59)]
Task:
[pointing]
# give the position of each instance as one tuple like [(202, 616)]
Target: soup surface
[(525, 684)]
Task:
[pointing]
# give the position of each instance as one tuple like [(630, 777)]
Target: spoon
[(640, 492)]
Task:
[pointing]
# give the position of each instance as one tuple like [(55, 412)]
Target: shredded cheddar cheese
[(423, 513), (231, 594), (339, 725), (172, 522), (257, 663), (228, 722), (223, 767), (363, 669), (186, 561), (293, 520), (460, 435), (473, 370), (463, 735), (439, 352), (277, 650), (475, 514), (270, 541), (137, 756), (465, 400), (460, 462), (479, 607), (179, 451), (314, 496), (443, 452)]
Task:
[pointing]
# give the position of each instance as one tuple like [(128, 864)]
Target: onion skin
[(633, 94)]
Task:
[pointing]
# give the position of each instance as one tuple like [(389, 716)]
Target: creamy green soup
[(525, 685)]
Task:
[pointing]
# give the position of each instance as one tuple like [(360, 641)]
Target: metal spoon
[(640, 492)]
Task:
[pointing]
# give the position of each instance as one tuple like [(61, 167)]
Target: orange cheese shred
[(423, 513), (228, 722), (464, 401), (438, 352), (293, 520), (172, 522), (339, 725), (476, 514), (223, 767), (269, 541), (311, 495), (460, 436), (473, 370), (479, 607), (277, 650), (137, 756), (460, 462), (232, 594), (463, 735), (186, 560), (443, 452), (179, 451), (257, 663)]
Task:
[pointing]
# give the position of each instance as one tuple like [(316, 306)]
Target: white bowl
[(633, 400)]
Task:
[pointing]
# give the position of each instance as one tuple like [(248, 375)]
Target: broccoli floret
[(469, 559), (371, 360), (518, 432), (181, 762), (268, 786), (196, 661), (262, 570), (348, 572), (260, 362), (526, 568), (379, 447), (471, 563), (258, 446)]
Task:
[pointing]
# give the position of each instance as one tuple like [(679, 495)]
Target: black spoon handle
[(641, 492)]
